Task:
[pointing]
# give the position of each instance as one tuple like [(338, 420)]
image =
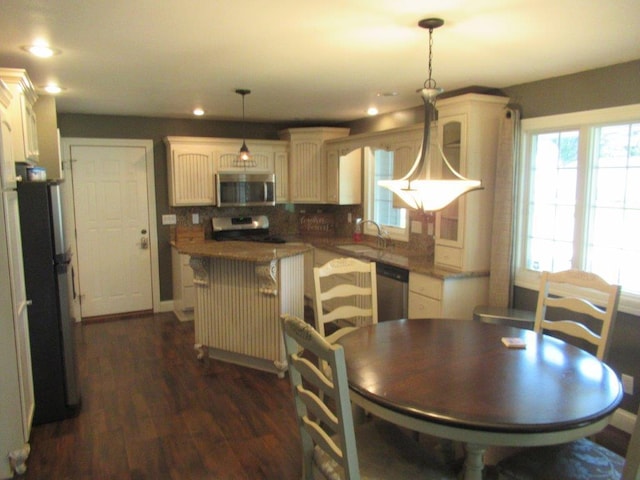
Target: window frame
[(395, 233), (585, 122)]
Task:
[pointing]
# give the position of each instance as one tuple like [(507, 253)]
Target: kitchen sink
[(375, 254), (355, 248)]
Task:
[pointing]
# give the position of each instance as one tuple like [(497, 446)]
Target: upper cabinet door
[(451, 138), (22, 114), (344, 175), (7, 167), (191, 175), (307, 162)]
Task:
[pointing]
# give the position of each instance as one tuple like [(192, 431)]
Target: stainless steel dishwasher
[(393, 291)]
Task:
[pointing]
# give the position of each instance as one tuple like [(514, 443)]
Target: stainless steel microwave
[(245, 189)]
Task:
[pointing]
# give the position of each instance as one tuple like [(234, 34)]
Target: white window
[(378, 204), (580, 198)]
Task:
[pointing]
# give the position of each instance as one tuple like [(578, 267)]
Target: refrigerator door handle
[(73, 282)]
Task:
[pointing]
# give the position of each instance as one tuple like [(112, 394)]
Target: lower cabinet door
[(424, 307)]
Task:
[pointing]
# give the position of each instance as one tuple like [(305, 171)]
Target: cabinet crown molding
[(20, 78)]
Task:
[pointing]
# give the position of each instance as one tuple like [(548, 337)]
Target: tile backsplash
[(290, 220)]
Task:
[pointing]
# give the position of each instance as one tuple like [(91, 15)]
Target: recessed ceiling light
[(198, 112), (41, 49), (387, 94), (372, 111), (53, 88)]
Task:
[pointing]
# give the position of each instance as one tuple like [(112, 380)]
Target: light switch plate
[(168, 219), (195, 218), (416, 226)]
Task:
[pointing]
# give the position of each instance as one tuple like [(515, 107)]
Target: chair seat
[(579, 460), (386, 452)]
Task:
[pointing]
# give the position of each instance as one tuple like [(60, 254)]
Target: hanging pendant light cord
[(430, 82), (244, 124)]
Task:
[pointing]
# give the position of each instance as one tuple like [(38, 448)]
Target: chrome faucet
[(382, 237)]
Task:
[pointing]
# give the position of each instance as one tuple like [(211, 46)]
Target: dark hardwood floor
[(151, 410)]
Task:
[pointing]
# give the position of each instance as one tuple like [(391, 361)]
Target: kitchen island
[(241, 290)]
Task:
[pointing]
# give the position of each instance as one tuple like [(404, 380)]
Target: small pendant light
[(244, 156)]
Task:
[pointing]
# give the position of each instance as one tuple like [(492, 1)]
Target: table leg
[(474, 461)]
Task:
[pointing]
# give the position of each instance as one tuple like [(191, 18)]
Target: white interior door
[(114, 261)]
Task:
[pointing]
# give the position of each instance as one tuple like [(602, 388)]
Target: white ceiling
[(315, 60)]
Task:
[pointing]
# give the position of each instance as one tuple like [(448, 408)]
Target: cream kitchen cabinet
[(468, 133), (281, 171), (194, 161), (307, 162), (190, 172), (263, 154), (183, 290), (16, 383), (22, 114), (49, 137), (449, 297), (344, 173)]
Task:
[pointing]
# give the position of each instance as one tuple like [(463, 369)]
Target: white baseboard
[(164, 306), (623, 420)]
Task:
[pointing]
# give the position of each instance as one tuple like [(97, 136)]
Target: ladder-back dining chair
[(580, 460), (332, 447), (568, 288), (346, 295)]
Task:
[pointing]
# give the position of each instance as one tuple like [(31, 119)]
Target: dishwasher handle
[(391, 271)]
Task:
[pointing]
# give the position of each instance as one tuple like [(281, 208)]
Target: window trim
[(395, 233), (584, 122)]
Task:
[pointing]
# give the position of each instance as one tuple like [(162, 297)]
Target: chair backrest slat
[(322, 425), (568, 285), (345, 293)]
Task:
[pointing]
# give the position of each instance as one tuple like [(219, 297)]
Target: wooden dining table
[(455, 379)]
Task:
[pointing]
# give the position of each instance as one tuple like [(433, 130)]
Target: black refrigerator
[(47, 268)]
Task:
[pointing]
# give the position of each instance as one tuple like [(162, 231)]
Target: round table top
[(459, 373)]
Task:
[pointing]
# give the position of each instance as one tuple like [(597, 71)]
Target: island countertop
[(245, 251)]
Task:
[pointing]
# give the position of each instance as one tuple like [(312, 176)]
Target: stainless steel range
[(246, 228)]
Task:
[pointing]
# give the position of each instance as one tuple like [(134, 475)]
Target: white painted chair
[(580, 460), (332, 447), (345, 295), (563, 290)]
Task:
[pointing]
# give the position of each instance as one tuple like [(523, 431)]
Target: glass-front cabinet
[(467, 132), (448, 226)]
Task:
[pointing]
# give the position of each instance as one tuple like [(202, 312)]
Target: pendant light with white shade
[(418, 188)]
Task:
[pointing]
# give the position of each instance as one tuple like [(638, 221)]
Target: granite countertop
[(245, 251), (398, 256)]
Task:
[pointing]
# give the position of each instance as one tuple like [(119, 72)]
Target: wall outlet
[(416, 226), (627, 384), (349, 217), (168, 219), (195, 218)]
